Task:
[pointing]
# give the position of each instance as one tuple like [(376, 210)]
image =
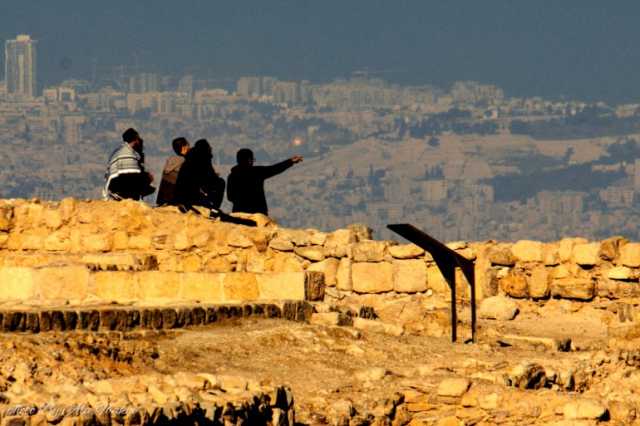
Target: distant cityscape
[(464, 161)]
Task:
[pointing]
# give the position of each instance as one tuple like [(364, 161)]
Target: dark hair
[(244, 156), (130, 135), (201, 151), (178, 144)]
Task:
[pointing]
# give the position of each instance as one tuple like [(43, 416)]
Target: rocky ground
[(398, 369)]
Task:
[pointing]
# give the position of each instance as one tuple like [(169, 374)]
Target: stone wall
[(83, 252)]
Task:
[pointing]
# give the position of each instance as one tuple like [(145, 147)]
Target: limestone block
[(33, 240), (17, 283), (377, 326), (498, 308), (298, 237), (501, 255), (630, 255), (372, 277), (613, 289), (182, 241), (283, 262), (515, 285), (528, 251), (436, 281), (457, 245), (58, 241), (318, 238), (201, 239), (281, 286), (368, 251), (28, 215), (361, 231), (329, 267), (622, 273), (586, 254), (539, 283), (201, 287), (565, 248), (584, 409), (97, 242), (191, 263), (218, 264), (467, 252), (344, 280), (67, 208), (140, 242), (560, 271), (240, 287), (256, 262), (260, 238), (331, 318), (6, 216), (239, 240), (486, 281), (314, 286), (610, 248), (573, 288), (159, 286), (409, 276), (62, 283), (116, 286), (527, 375), (53, 218), (406, 251), (281, 244), (453, 387), (14, 240), (551, 254), (338, 241), (313, 253), (120, 240)]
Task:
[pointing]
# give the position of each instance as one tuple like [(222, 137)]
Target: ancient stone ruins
[(117, 313)]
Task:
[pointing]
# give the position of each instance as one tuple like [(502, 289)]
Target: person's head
[(244, 157), (180, 146), (201, 151), (132, 137)]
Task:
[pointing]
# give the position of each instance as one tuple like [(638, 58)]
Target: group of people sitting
[(188, 178)]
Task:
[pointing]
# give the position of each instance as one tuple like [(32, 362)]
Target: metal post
[(447, 260), (450, 275)]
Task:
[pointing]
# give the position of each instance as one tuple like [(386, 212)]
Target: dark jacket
[(198, 184), (245, 186), (167, 190)]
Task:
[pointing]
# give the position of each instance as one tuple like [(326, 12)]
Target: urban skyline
[(576, 49)]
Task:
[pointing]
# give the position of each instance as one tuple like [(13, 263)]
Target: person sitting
[(198, 183), (166, 191), (245, 184), (126, 177)]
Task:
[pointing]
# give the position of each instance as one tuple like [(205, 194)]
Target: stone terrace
[(558, 340)]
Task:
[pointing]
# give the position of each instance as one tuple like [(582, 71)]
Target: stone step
[(119, 318), (79, 285)]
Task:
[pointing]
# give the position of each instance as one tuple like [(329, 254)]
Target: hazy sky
[(582, 49)]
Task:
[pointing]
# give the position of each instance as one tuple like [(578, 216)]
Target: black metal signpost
[(447, 261)]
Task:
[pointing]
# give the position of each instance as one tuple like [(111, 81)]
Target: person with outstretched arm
[(245, 184)]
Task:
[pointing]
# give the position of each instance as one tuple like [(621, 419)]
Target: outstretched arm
[(276, 169)]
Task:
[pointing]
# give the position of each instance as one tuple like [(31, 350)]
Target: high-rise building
[(20, 66)]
